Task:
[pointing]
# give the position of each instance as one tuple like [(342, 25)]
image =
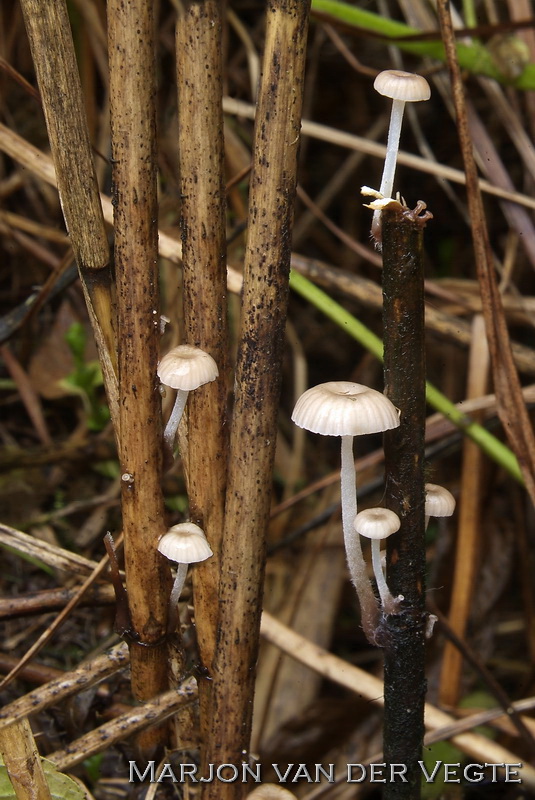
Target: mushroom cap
[(185, 543), (376, 523), (439, 502), (186, 367), (400, 85), (342, 408), (270, 791)]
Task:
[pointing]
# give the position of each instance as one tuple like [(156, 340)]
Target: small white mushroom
[(184, 368), (402, 87), (345, 409), (378, 524), (186, 544), (439, 502)]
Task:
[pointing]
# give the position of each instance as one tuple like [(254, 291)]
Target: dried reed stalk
[(49, 33), (511, 407), (254, 425), (133, 124), (201, 156), (468, 555), (23, 762)]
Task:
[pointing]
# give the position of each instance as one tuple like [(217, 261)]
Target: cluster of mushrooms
[(345, 409), (338, 408), (183, 368)]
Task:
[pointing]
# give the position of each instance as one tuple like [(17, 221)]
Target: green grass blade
[(474, 57), (489, 444)]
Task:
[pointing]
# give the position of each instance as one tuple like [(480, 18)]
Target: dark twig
[(404, 360)]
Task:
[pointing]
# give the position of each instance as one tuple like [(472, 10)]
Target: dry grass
[(60, 475)]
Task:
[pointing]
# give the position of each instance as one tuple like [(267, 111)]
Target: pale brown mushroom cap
[(186, 368), (400, 85), (439, 502), (185, 543), (343, 408), (376, 523)]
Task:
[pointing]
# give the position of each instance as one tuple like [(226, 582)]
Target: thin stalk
[(387, 601), (178, 585), (172, 423), (258, 370), (404, 367), (133, 127), (369, 610), (49, 34)]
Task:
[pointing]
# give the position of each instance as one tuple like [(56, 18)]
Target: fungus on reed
[(402, 87), (186, 544), (378, 524), (439, 502), (184, 368)]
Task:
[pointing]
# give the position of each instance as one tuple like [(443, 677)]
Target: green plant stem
[(490, 445), (474, 57), (403, 634), (258, 370)]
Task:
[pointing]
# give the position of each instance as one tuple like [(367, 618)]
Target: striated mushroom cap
[(342, 408), (439, 502), (376, 523), (400, 85), (185, 543), (186, 367)]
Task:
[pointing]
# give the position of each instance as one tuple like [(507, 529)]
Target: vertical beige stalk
[(200, 116), (468, 550), (49, 33), (133, 124), (254, 424), (23, 762)]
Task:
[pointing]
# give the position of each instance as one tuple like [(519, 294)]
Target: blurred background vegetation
[(59, 474)]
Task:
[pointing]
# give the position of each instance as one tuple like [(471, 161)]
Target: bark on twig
[(132, 93), (200, 116), (254, 425), (404, 365)]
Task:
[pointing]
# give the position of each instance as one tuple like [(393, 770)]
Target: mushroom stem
[(380, 579), (390, 606), (392, 147), (173, 421), (176, 591), (389, 169), (355, 559), (178, 585)]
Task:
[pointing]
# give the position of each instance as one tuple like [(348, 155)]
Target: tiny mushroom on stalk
[(184, 368), (402, 87), (186, 544), (345, 409), (439, 502), (377, 524)]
